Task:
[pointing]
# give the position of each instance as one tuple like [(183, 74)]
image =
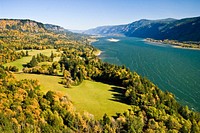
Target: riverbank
[(176, 44), (98, 52), (92, 39)]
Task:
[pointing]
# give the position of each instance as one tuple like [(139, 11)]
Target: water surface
[(173, 69)]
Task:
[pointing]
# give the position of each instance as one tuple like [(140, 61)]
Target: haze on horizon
[(85, 14)]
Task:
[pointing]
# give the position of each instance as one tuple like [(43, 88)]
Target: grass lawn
[(93, 97), (18, 63)]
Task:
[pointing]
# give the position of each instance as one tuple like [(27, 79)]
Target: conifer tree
[(33, 62)]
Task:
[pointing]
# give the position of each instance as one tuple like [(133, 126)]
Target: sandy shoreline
[(185, 47)]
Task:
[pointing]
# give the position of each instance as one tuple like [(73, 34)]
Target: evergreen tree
[(52, 56), (27, 53), (33, 62)]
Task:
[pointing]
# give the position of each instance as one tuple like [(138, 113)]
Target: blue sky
[(85, 14)]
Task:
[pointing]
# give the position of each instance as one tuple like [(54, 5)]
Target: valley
[(53, 80)]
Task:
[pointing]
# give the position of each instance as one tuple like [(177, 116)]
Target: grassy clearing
[(93, 97), (96, 98), (47, 82), (18, 63)]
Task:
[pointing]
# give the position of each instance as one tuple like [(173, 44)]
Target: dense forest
[(24, 108)]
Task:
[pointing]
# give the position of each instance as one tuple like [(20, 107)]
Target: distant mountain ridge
[(56, 28), (186, 29)]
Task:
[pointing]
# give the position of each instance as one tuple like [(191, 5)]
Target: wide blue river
[(173, 69)]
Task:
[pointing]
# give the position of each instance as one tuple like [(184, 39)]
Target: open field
[(93, 97), (18, 63), (96, 98)]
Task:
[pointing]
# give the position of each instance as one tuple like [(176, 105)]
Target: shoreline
[(98, 52), (180, 47), (91, 40), (158, 42)]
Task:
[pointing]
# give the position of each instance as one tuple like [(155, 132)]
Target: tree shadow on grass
[(118, 95)]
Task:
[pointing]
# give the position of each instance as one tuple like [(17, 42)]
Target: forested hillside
[(24, 108), (182, 30)]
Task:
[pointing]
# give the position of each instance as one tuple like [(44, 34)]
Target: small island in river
[(113, 40)]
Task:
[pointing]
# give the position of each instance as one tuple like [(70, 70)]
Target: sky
[(86, 14)]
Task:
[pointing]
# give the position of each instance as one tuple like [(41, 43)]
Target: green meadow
[(92, 97), (19, 63)]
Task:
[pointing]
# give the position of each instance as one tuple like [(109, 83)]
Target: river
[(172, 69)]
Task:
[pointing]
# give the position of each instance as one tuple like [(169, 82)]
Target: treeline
[(49, 69), (8, 54), (39, 58)]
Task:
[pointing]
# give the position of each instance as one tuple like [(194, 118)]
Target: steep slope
[(54, 28), (60, 30), (21, 25), (146, 28), (131, 28), (183, 30), (106, 30)]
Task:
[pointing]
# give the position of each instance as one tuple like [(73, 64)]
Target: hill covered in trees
[(24, 108), (186, 29)]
